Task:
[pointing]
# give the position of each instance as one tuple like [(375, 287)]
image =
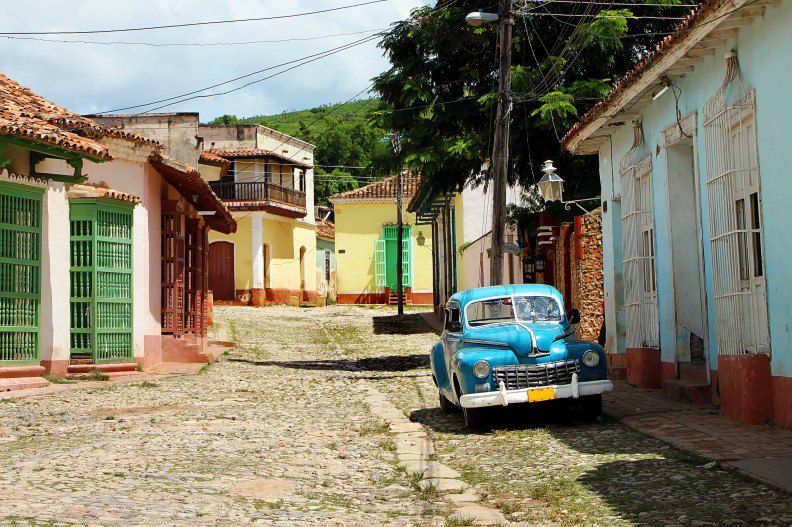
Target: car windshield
[(513, 309)]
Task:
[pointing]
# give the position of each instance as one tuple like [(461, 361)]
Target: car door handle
[(449, 338)]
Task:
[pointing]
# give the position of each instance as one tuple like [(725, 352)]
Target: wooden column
[(172, 268)]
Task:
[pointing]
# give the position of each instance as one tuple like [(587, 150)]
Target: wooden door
[(221, 270)]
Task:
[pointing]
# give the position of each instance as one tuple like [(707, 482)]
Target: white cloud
[(91, 78)]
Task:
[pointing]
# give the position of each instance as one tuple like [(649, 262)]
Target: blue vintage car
[(511, 344)]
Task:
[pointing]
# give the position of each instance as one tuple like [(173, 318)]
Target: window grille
[(735, 217), (20, 274), (638, 247), (101, 280)]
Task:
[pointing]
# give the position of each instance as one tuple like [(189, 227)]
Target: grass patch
[(264, 504), (147, 384), (98, 375), (453, 521), (378, 429), (58, 380)]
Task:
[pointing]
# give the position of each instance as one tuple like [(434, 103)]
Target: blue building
[(694, 158)]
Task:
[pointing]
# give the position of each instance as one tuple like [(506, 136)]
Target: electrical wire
[(191, 24), (191, 44)]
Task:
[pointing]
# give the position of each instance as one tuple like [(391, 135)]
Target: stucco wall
[(282, 239), (358, 226), (763, 49), (178, 132), (475, 258)]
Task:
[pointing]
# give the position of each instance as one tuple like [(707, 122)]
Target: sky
[(91, 78)]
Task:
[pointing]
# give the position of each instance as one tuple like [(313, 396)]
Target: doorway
[(221, 270), (686, 252)]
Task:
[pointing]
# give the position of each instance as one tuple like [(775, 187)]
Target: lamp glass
[(551, 187)]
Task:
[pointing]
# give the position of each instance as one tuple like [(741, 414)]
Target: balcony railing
[(257, 191)]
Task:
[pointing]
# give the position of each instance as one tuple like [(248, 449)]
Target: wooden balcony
[(260, 195)]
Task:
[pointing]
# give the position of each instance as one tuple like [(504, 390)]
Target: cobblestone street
[(305, 423)]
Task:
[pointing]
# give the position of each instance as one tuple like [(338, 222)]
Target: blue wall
[(764, 50)]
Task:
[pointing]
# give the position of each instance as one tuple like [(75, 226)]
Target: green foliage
[(340, 182), (440, 90)]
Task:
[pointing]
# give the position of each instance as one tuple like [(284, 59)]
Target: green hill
[(314, 120)]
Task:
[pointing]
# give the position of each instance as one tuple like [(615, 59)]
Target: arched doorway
[(221, 270)]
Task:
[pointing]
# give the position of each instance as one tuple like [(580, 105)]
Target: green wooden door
[(101, 280), (390, 241), (20, 273)]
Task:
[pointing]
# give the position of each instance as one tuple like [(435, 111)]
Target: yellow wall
[(357, 227), (209, 172), (283, 239)]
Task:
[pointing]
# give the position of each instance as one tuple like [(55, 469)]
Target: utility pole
[(500, 147), (396, 141)]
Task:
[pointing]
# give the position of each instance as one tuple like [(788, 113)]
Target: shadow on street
[(410, 324), (392, 363)]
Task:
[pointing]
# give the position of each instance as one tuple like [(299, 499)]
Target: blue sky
[(90, 78)]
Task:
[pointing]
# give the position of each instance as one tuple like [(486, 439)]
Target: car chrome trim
[(503, 397), (486, 342)]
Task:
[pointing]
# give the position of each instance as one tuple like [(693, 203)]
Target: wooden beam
[(700, 52), (679, 70), (713, 42)]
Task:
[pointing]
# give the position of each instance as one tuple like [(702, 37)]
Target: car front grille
[(530, 375)]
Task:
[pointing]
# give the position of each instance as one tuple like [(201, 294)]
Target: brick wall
[(589, 275)]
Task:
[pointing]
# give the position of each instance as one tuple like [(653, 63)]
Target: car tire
[(447, 406), (474, 418), (591, 406)]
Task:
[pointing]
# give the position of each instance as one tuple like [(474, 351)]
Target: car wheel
[(592, 406), (474, 418), (447, 406)]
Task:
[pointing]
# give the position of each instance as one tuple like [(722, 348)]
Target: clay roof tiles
[(25, 114), (256, 152), (381, 190), (325, 229), (694, 18)]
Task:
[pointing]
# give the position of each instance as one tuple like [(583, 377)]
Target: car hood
[(517, 337)]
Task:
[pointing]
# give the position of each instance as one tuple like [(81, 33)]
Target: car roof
[(463, 297)]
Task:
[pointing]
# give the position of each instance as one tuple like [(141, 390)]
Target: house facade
[(266, 178), (326, 282), (462, 240), (83, 208), (693, 162), (366, 234)]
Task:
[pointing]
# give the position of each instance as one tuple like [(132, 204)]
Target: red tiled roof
[(26, 114), (696, 16), (189, 182), (385, 189), (256, 152), (208, 158), (325, 229)]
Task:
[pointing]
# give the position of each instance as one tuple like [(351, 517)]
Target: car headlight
[(591, 358), (481, 369)]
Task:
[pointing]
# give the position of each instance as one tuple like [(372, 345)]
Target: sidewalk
[(759, 451)]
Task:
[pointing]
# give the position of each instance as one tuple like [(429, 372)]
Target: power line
[(190, 24), (189, 44), (216, 85), (616, 4), (600, 15)]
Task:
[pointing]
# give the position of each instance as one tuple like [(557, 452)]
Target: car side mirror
[(574, 316), (454, 327)]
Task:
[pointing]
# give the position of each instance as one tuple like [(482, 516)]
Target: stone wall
[(588, 274)]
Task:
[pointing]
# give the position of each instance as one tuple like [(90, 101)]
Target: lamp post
[(500, 148), (551, 187)]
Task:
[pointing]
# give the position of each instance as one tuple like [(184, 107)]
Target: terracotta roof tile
[(256, 152), (189, 182), (385, 189), (325, 229), (26, 114), (696, 16)]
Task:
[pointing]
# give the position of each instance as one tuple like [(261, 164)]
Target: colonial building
[(266, 178), (693, 167), (84, 212), (326, 284), (366, 243), (461, 226)]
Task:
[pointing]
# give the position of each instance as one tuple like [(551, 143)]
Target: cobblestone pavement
[(300, 426)]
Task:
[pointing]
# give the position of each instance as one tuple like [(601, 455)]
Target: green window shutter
[(379, 263), (407, 257), (20, 273), (101, 280)]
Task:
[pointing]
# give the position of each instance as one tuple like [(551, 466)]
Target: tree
[(332, 183), (440, 91)]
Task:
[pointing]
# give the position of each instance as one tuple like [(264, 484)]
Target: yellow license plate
[(541, 394)]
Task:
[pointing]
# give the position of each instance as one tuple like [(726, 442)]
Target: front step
[(393, 299), (15, 372), (104, 368), (693, 371), (22, 383), (687, 391)]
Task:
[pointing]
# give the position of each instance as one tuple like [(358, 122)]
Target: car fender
[(438, 366), (464, 360)]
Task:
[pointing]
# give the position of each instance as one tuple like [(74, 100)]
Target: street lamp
[(479, 18), (551, 188)]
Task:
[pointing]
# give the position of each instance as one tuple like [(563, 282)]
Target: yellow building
[(365, 244), (266, 179)]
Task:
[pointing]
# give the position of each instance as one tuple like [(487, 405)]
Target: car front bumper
[(504, 397)]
